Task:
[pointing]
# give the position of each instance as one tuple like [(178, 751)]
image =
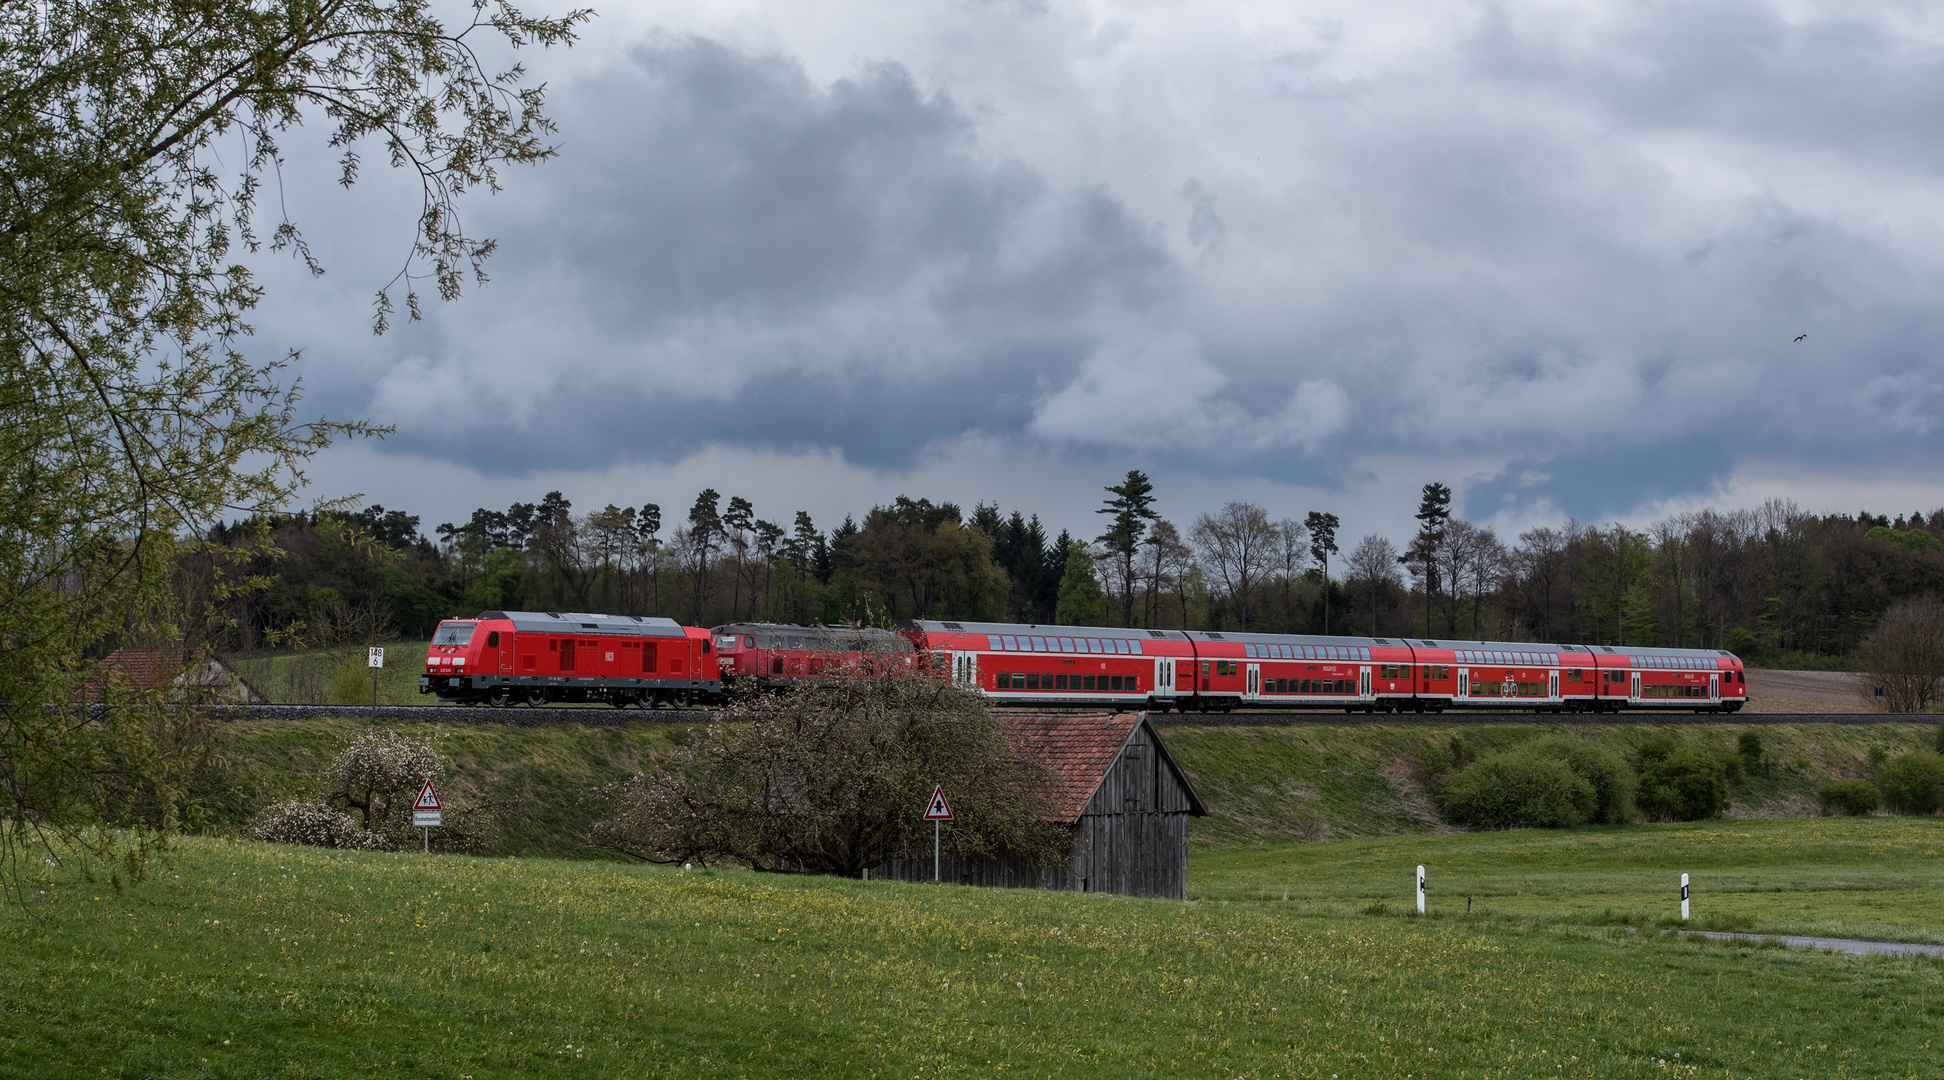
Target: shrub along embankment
[(1269, 785), (537, 783), (1263, 785)]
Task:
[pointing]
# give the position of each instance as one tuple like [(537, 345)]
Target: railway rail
[(604, 716)]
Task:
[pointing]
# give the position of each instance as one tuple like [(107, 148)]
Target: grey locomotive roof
[(578, 622), (935, 627)]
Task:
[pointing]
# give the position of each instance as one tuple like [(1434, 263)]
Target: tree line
[(1765, 583)]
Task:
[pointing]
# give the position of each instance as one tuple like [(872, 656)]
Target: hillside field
[(1293, 957), (253, 960)]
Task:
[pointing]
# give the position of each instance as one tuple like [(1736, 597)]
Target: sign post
[(1420, 890), (427, 813), (374, 659), (1684, 898), (938, 811)]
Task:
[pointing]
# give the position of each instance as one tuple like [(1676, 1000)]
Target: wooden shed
[(1125, 799)]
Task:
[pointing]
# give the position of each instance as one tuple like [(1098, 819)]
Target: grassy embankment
[(248, 960), (338, 676), (1264, 785)]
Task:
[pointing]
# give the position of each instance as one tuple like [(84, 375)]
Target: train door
[(1552, 684), (1636, 686), (1363, 682), (1164, 678), (1255, 679), (1714, 686), (505, 643), (1464, 682)]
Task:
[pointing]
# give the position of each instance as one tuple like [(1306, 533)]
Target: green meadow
[(1293, 957), (1870, 877), (251, 960)]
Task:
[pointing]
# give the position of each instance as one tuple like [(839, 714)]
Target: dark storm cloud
[(727, 251), (1562, 251)]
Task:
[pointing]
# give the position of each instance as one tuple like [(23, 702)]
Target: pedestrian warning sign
[(429, 799), (939, 810)]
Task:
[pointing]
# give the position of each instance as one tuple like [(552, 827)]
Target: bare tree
[(1452, 565), (1238, 544), (1289, 560), (1536, 561), (1168, 562), (1373, 572), (1905, 656), (1488, 566)]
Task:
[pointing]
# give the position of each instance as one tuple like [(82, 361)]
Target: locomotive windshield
[(453, 633)]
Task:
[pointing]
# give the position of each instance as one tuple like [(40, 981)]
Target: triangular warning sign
[(428, 799), (939, 810)]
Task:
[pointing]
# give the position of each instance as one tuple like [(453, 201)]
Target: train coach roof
[(930, 627), (578, 622), (820, 633), (1250, 637)]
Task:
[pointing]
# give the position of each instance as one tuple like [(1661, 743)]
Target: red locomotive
[(536, 658)]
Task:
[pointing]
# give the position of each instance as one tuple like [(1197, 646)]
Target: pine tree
[(1433, 511), (1131, 507), (1322, 530)]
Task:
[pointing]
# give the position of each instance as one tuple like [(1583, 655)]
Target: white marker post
[(1684, 898), (1420, 890), (374, 659), (427, 813), (939, 811)]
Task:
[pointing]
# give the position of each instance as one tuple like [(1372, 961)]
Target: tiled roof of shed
[(140, 669), (1081, 749)]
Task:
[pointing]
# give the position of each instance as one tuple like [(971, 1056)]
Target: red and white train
[(502, 658), (1204, 671)]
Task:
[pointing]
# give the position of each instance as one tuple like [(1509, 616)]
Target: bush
[(1612, 778), (380, 769), (1848, 797), (308, 821), (1914, 783), (1679, 782), (1749, 748), (1519, 790)]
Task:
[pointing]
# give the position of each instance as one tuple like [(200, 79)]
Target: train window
[(453, 633), (492, 640), (1032, 680)]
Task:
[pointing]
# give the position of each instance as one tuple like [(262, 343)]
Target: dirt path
[(1804, 692)]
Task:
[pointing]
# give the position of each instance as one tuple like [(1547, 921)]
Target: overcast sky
[(1309, 254)]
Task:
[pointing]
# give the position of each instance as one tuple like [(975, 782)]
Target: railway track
[(607, 716)]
